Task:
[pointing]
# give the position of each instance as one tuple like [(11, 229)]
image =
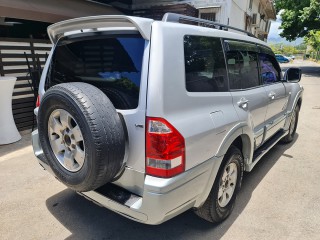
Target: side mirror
[(292, 75)]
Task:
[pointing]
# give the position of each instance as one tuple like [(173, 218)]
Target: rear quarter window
[(205, 68), (113, 63), (242, 60)]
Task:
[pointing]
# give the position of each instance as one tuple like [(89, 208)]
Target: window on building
[(267, 28), (208, 16), (242, 63), (254, 18), (250, 4), (204, 64)]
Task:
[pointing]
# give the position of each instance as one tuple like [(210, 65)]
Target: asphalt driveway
[(280, 198)]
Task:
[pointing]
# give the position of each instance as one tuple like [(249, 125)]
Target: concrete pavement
[(279, 199)]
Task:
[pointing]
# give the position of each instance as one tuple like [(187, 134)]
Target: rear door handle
[(243, 103), (272, 95)]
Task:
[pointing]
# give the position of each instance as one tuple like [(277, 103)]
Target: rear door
[(249, 96), (276, 92), (113, 62)]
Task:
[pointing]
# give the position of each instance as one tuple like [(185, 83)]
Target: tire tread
[(106, 130)]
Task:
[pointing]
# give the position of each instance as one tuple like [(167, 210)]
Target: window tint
[(204, 64), (269, 69), (242, 46), (242, 65), (112, 63), (266, 50)]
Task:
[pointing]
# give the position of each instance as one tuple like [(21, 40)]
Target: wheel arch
[(242, 137), (299, 103), (296, 102), (237, 138), (244, 144)]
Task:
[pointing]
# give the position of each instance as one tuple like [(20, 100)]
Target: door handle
[(243, 103), (272, 95)]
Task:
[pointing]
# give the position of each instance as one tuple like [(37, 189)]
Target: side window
[(242, 63), (269, 69), (204, 64)]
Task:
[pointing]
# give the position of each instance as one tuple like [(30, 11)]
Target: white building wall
[(228, 12), (263, 25), (231, 12), (237, 12), (218, 6), (140, 4)]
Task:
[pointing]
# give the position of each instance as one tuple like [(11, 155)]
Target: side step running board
[(261, 151)]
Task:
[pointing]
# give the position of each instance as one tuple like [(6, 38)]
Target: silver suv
[(152, 118)]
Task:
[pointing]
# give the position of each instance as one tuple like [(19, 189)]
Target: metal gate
[(13, 53)]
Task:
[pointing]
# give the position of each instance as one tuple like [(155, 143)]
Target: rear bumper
[(162, 199)]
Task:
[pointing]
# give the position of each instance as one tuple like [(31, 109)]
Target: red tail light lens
[(165, 149), (38, 101)]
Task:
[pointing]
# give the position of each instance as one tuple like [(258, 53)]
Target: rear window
[(113, 63)]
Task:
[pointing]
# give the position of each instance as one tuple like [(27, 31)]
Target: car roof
[(143, 25)]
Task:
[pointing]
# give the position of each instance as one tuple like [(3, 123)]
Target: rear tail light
[(165, 149), (38, 101)]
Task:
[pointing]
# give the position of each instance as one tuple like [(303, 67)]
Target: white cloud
[(275, 29)]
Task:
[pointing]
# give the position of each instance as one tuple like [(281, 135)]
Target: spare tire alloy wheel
[(82, 135), (66, 140)]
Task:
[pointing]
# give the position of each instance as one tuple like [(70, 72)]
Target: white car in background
[(290, 57)]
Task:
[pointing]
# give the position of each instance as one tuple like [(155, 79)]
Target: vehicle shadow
[(307, 71), (85, 220)]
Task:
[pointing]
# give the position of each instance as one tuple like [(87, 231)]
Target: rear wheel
[(221, 199)]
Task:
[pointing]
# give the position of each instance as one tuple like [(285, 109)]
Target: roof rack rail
[(174, 17)]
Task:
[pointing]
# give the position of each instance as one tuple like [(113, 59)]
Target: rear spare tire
[(81, 134)]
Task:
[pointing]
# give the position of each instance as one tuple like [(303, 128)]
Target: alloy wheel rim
[(66, 140), (227, 184)]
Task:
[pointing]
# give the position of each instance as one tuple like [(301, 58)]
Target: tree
[(287, 49), (299, 17), (313, 40), (301, 47)]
